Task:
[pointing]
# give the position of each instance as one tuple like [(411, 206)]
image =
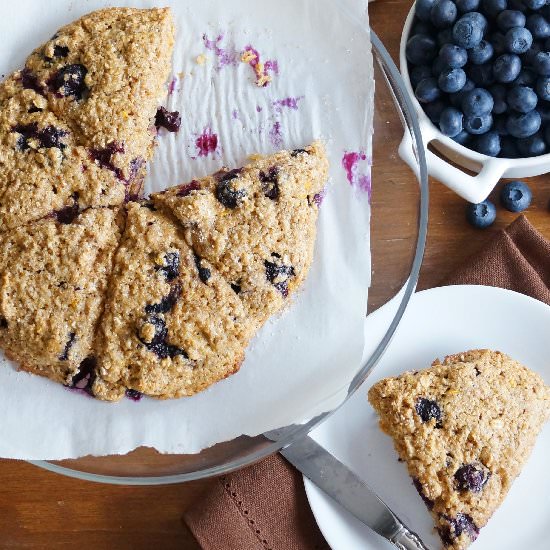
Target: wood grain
[(39, 509)]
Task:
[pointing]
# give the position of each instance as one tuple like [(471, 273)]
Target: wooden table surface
[(39, 509)]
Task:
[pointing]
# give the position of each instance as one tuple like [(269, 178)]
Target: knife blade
[(344, 486)]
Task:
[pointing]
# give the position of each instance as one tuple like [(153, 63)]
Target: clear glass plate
[(397, 251)]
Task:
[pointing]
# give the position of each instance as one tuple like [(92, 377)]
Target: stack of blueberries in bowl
[(481, 71)]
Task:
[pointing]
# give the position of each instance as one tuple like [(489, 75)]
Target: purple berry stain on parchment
[(289, 102), (226, 56), (318, 198), (276, 132), (172, 85), (357, 167), (206, 143), (263, 71)]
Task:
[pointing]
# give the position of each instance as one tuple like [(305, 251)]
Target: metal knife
[(352, 493)]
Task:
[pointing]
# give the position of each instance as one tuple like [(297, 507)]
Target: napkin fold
[(264, 506)]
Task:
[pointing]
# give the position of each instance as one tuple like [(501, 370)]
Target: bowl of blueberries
[(479, 75)]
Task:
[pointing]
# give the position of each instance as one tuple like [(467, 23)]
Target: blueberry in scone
[(79, 118), (465, 428), (255, 225)]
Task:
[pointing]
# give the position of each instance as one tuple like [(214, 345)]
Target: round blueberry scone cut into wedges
[(256, 225), (77, 124), (53, 279), (172, 325), (465, 428)]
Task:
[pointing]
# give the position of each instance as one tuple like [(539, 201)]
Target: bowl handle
[(472, 188)]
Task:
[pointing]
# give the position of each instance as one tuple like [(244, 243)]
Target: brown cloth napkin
[(264, 507)]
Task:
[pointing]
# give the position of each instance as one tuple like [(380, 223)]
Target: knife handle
[(407, 540)]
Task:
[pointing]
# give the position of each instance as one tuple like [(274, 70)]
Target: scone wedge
[(172, 325), (77, 124), (465, 428), (256, 225), (53, 280)]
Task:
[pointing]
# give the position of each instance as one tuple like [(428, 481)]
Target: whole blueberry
[(478, 124), (498, 42), (421, 49), (434, 109), (438, 66), (418, 73), (464, 6), (541, 63), (481, 75), (533, 146), (445, 37), (539, 27), (508, 148), (481, 215), (526, 77), (506, 67), (523, 125), (452, 80), (547, 135), (488, 144), (453, 56), (450, 122), (518, 40), (468, 31), (423, 9), (427, 90), (546, 45), (542, 87), (463, 138), (534, 4), (477, 102), (493, 7), (522, 98), (443, 13), (508, 19), (515, 196), (499, 92), (481, 53)]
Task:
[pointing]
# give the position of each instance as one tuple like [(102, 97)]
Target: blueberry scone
[(53, 279), (172, 325), (77, 124), (465, 428), (256, 225)]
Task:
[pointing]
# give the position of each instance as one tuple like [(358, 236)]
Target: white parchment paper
[(318, 54)]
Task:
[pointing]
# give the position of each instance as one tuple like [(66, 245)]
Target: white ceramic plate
[(438, 322)]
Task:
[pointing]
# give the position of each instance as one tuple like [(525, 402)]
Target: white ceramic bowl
[(489, 170)]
